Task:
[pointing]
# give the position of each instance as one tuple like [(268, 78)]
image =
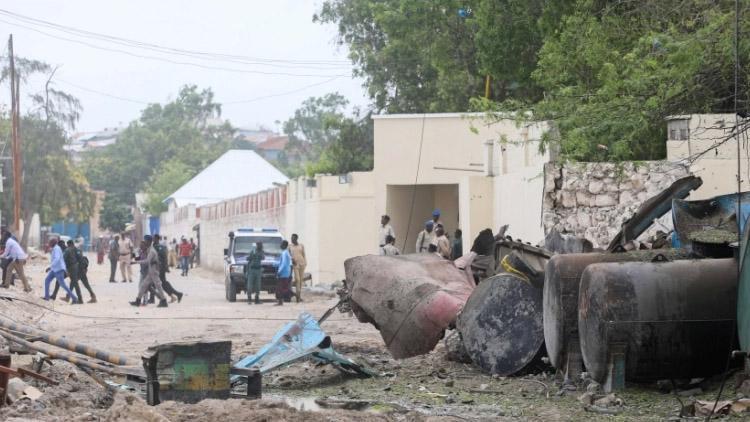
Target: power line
[(281, 94), (102, 93), (289, 63), (167, 60)]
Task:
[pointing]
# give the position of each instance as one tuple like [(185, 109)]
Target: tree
[(114, 215), (415, 55), (615, 71), (184, 131), (351, 148), (171, 175), (52, 186)]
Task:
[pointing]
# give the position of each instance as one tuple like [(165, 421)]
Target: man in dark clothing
[(83, 269), (163, 254), (70, 256), (114, 255), (457, 251), (254, 272)]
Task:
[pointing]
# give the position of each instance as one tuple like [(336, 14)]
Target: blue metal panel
[(153, 225), (718, 212)]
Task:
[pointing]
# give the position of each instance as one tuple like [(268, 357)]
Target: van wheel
[(231, 292)]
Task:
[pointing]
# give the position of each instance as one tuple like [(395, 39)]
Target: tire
[(231, 292)]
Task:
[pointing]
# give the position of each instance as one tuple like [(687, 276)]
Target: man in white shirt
[(14, 252), (390, 248), (384, 231), (425, 238)]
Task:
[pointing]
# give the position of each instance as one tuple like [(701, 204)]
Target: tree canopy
[(607, 73)]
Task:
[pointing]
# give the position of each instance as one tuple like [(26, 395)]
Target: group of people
[(433, 239), (120, 250), (153, 258), (292, 263)]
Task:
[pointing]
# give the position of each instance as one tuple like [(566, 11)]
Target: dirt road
[(422, 388)]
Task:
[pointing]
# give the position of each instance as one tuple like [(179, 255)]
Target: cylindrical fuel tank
[(561, 280), (501, 325), (671, 319)]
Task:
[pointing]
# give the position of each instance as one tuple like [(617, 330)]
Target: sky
[(279, 30)]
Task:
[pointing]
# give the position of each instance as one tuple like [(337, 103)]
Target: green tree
[(615, 71), (171, 175), (351, 148), (114, 214), (183, 131), (51, 185)]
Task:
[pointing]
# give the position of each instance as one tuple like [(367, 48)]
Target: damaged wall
[(593, 199)]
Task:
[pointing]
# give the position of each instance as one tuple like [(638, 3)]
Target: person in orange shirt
[(186, 249)]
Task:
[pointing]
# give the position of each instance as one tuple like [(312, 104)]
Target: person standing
[(284, 274), (16, 260), (151, 260), (56, 271), (436, 217), (425, 237), (100, 247), (193, 250), (114, 257), (442, 242), (254, 272), (161, 251), (173, 253), (457, 251), (384, 231), (299, 262), (390, 248), (83, 270), (126, 255), (185, 251)]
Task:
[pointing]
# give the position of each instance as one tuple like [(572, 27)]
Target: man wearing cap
[(425, 237), (151, 260), (384, 230), (436, 217)]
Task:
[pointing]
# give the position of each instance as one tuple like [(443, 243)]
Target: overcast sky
[(279, 29)]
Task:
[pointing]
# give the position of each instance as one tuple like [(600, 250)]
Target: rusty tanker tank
[(666, 320), (560, 300)]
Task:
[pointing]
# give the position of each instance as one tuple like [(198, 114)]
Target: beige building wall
[(710, 150), (447, 156), (334, 220)]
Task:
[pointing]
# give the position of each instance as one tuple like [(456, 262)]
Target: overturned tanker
[(501, 325), (665, 320), (560, 300), (410, 299)]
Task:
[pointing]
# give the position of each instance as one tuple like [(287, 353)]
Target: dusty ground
[(423, 388)]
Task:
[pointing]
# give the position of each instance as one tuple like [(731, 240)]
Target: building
[(234, 174), (254, 135), (272, 147), (707, 144), (88, 141)]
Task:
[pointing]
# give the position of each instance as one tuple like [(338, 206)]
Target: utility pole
[(15, 138)]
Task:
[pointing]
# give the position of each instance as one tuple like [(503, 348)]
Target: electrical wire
[(176, 51), (167, 60), (416, 179), (118, 318)]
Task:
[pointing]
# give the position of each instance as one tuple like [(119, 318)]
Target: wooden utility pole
[(15, 138)]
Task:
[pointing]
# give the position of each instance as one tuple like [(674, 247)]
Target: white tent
[(234, 174)]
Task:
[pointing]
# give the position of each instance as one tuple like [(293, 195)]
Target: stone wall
[(593, 199)]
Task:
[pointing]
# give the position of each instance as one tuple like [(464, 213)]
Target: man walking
[(384, 230), (56, 271), (254, 272), (161, 251), (185, 251), (425, 237), (83, 269), (126, 254), (283, 274), (17, 258), (114, 256), (71, 266), (299, 262), (151, 260)]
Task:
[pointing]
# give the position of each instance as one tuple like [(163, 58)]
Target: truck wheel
[(231, 292)]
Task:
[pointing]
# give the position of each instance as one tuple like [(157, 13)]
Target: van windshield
[(271, 244)]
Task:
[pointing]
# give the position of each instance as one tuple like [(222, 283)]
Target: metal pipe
[(58, 354), (67, 344)]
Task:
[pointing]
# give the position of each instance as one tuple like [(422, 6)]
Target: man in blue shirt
[(284, 274), (57, 271)]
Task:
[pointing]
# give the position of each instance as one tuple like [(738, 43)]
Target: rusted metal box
[(187, 371)]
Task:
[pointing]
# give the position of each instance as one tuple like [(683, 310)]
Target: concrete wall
[(451, 150), (593, 199), (712, 136)]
